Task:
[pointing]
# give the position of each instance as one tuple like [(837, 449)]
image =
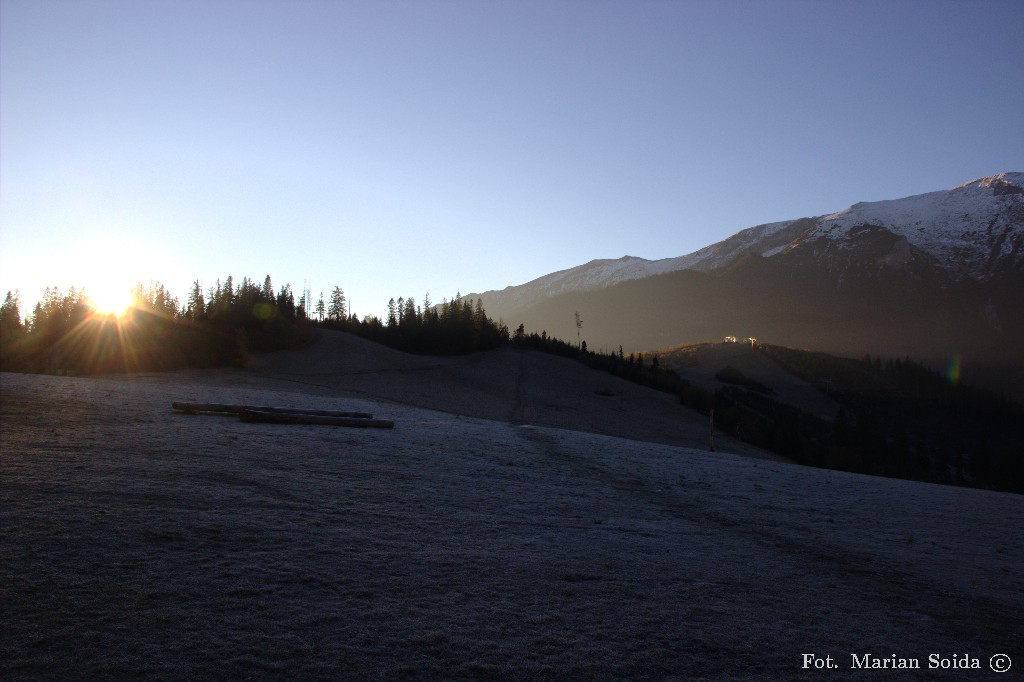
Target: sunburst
[(106, 264), (111, 298)]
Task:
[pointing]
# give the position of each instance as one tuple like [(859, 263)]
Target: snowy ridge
[(593, 275), (607, 272), (966, 229), (969, 230), (599, 273), (767, 239)]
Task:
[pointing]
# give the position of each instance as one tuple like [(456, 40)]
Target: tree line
[(899, 418), (453, 327), (219, 326)]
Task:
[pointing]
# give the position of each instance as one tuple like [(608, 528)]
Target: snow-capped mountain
[(931, 276), (593, 275), (971, 231)]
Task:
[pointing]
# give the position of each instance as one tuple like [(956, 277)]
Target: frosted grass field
[(139, 543)]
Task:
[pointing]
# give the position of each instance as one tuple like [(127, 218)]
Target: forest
[(453, 327), (897, 418), (221, 326)]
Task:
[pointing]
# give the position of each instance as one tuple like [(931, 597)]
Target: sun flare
[(107, 265), (111, 299)]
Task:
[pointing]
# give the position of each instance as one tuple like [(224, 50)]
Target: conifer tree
[(409, 315), (392, 316), (196, 309), (336, 308), (321, 308), (228, 293), (10, 315), (286, 302)]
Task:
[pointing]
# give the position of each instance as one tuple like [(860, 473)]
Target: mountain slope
[(974, 230), (934, 277)]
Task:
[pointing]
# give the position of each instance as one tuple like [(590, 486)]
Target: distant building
[(734, 339)]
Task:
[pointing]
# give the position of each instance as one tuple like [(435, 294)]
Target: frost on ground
[(135, 542)]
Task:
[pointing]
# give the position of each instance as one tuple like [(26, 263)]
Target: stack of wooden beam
[(287, 415)]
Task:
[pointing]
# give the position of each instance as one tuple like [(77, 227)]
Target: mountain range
[(932, 276)]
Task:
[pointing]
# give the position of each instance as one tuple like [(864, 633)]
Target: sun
[(106, 264), (111, 298)]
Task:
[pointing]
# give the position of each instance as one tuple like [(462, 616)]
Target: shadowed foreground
[(135, 542)]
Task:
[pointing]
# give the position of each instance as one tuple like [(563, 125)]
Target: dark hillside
[(516, 385), (890, 417), (850, 310)]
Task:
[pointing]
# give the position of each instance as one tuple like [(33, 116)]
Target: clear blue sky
[(398, 148)]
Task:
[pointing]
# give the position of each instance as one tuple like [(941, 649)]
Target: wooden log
[(207, 408), (217, 408), (258, 415)]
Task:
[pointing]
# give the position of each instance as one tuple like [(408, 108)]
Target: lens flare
[(953, 373)]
